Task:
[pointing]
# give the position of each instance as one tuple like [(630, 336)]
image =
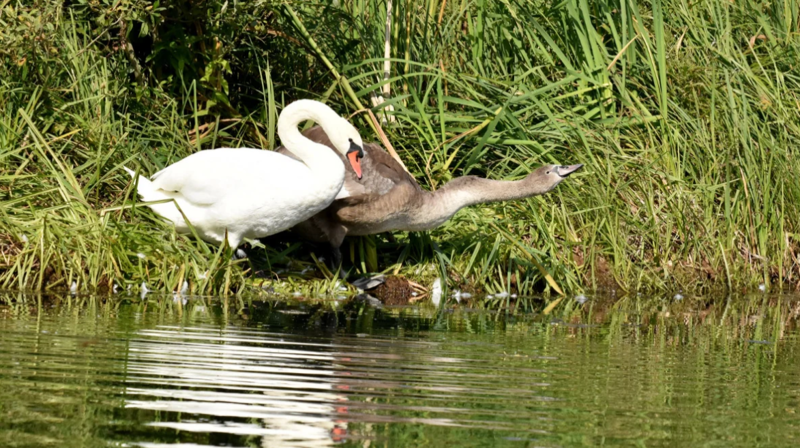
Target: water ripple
[(136, 380)]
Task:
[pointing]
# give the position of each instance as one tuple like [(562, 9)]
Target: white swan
[(253, 193)]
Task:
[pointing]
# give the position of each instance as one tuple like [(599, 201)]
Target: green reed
[(685, 115)]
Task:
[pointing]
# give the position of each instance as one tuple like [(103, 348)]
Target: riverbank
[(686, 118)]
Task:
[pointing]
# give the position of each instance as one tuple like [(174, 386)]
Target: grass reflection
[(647, 371)]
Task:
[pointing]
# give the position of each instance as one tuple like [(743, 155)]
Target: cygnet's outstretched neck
[(437, 207)]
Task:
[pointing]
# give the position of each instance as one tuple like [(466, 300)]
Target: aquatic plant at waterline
[(685, 117)]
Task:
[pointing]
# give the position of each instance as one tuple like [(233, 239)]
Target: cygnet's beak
[(354, 156), (566, 170)]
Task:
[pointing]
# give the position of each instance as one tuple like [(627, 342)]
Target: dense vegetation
[(686, 114)]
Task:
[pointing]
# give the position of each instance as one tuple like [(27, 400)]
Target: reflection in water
[(288, 387), (297, 390), (163, 374)]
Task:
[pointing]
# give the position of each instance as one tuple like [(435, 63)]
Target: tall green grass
[(686, 115)]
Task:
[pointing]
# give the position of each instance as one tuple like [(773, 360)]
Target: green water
[(82, 372)]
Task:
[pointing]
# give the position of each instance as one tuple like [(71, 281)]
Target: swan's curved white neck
[(318, 157), (302, 110)]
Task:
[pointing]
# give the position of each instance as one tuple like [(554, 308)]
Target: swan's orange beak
[(354, 156)]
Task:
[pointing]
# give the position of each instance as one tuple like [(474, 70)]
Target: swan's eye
[(350, 140), (547, 172)]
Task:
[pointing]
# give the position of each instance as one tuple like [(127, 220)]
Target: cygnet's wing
[(389, 190), (382, 172), (207, 177), (370, 213)]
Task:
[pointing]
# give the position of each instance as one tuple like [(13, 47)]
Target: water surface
[(86, 372)]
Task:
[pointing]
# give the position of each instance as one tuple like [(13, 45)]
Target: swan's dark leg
[(336, 235), (337, 262)]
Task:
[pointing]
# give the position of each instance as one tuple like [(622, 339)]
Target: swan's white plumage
[(251, 193), (343, 193), (210, 176)]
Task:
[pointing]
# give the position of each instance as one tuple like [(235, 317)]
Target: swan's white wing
[(209, 176)]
